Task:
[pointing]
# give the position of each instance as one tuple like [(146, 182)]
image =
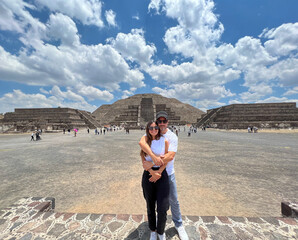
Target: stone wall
[(261, 115), (29, 119)]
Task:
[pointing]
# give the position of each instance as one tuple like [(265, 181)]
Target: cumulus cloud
[(8, 20), (197, 30), (291, 92), (263, 64), (133, 46), (88, 12), (155, 5), (277, 99), (63, 28), (283, 39), (99, 65), (66, 95), (18, 99), (93, 93), (111, 17), (191, 72), (44, 91)]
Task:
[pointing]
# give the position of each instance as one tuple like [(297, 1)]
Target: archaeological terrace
[(135, 111), (30, 119), (261, 115)]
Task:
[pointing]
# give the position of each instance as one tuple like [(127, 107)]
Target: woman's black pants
[(157, 192)]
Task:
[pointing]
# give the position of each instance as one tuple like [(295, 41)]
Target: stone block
[(289, 209)]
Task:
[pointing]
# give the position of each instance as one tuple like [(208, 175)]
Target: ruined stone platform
[(35, 218)]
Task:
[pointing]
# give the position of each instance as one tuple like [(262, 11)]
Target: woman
[(156, 192)]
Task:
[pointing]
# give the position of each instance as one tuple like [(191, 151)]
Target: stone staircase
[(89, 119), (132, 111), (147, 110), (207, 118), (35, 218)]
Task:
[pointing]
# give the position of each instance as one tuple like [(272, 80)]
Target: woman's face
[(153, 129)]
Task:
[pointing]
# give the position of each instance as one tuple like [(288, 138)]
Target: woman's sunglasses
[(162, 121), (156, 128)]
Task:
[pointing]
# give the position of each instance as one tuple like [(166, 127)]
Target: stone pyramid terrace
[(35, 218), (261, 115)]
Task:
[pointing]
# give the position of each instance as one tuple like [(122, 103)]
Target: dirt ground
[(228, 173)]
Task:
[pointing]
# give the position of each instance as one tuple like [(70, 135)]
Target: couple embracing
[(159, 146)]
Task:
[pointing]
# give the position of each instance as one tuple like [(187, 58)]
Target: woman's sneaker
[(153, 236), (162, 237), (182, 233)]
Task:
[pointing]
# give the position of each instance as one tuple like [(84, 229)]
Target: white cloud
[(93, 93), (61, 27), (194, 91), (15, 17), (18, 99), (99, 65), (198, 27), (136, 17), (197, 34), (191, 72), (111, 17), (291, 92), (155, 5), (133, 46), (126, 94), (286, 71), (284, 39), (69, 95), (87, 12), (277, 99), (44, 91), (8, 20)]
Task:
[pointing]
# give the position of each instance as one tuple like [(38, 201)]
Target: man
[(167, 162)]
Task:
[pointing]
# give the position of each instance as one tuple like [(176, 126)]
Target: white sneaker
[(182, 233), (162, 237), (153, 236)]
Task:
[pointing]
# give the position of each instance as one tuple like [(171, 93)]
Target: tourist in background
[(155, 192), (167, 163), (32, 137)]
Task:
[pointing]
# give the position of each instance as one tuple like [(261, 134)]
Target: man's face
[(162, 123)]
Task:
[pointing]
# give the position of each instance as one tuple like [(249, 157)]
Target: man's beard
[(162, 128)]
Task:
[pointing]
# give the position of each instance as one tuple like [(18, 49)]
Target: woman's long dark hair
[(149, 136)]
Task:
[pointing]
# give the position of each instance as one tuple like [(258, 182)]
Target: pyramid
[(136, 110)]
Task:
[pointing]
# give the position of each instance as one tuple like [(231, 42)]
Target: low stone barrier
[(35, 218)]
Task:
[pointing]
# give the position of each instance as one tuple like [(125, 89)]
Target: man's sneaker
[(162, 237), (182, 233), (153, 236)]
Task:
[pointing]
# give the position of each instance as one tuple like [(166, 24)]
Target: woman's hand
[(155, 175), (147, 165)]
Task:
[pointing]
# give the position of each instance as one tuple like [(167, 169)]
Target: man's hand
[(147, 165), (155, 175), (157, 161)]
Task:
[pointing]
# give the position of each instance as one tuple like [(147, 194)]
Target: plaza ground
[(219, 173)]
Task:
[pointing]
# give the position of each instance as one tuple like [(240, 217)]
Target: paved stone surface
[(75, 226)]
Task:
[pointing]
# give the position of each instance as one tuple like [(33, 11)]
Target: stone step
[(35, 218)]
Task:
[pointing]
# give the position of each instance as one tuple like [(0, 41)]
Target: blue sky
[(85, 53)]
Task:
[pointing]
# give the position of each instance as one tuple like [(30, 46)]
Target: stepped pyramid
[(29, 119), (261, 115), (141, 108)]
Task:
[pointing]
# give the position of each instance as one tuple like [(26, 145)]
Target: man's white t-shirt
[(173, 146)]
